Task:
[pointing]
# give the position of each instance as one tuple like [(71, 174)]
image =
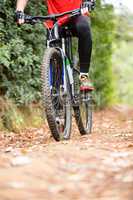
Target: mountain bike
[(60, 77)]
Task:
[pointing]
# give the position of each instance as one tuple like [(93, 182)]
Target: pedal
[(76, 100)]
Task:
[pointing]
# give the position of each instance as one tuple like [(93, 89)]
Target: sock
[(84, 74)]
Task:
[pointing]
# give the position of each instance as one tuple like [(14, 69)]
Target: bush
[(21, 51), (103, 26)]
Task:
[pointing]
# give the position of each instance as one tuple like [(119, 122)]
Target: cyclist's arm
[(21, 4)]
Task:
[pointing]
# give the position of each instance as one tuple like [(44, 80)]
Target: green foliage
[(12, 119), (16, 118), (101, 70), (21, 50), (122, 57), (124, 28)]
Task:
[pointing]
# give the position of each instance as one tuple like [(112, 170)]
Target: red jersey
[(59, 6)]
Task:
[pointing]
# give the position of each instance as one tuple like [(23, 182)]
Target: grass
[(123, 68), (16, 119)]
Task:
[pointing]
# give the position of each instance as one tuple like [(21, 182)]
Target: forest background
[(22, 49)]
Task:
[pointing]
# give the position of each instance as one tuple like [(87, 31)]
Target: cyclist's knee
[(83, 28)]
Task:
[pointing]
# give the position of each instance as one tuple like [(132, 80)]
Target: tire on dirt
[(83, 129), (47, 99)]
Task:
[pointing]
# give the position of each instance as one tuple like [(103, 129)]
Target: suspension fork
[(69, 62), (64, 68)]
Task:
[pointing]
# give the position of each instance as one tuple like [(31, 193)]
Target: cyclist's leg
[(83, 32), (81, 29)]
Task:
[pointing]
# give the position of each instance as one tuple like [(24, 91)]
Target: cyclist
[(80, 28)]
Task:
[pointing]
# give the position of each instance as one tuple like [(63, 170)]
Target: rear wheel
[(83, 113), (56, 97)]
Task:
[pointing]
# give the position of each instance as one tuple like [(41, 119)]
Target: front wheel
[(83, 113), (56, 96)]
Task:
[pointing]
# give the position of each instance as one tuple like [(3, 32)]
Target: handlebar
[(89, 5), (35, 19)]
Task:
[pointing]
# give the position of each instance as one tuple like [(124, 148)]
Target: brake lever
[(89, 4), (30, 20)]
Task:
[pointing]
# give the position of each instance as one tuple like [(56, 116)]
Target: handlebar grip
[(29, 20), (89, 4)]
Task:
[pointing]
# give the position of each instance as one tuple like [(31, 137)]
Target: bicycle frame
[(60, 84), (63, 44)]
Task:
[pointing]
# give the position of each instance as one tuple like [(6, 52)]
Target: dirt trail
[(99, 166)]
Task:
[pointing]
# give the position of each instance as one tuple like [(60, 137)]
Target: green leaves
[(21, 50), (103, 26)]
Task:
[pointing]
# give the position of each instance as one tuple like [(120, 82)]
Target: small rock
[(21, 160), (8, 149), (16, 185)]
